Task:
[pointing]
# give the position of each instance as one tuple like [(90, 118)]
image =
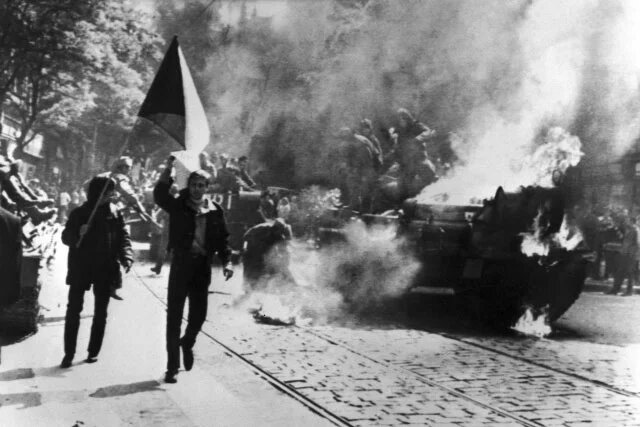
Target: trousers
[(75, 303), (189, 278)]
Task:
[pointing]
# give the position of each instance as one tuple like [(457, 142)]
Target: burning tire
[(507, 288), (561, 286)]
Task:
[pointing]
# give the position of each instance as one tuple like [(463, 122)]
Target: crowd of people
[(613, 234)]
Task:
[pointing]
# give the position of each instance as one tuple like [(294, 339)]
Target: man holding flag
[(197, 231), (197, 228)]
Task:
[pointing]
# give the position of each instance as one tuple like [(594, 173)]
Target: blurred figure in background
[(243, 165)]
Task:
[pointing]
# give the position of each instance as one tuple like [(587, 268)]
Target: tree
[(70, 68), (93, 106), (36, 52)]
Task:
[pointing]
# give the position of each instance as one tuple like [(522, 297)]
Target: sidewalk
[(592, 285), (125, 386)]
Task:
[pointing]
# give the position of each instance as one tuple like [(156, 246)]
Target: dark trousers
[(189, 278), (625, 270), (72, 318)]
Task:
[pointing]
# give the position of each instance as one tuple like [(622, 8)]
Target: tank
[(474, 251), (241, 213)]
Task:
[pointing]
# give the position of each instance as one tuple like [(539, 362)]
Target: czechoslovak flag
[(172, 104)]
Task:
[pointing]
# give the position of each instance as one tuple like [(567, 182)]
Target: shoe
[(91, 359), (187, 357), (156, 270), (170, 377), (114, 295), (66, 362)]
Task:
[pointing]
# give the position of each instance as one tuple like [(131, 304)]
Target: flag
[(172, 102)]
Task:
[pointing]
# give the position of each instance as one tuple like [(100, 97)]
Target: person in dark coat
[(197, 231), (93, 261)]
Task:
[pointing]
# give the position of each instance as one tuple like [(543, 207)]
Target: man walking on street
[(197, 231), (105, 242)]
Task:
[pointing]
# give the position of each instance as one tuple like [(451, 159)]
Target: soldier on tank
[(228, 180), (243, 165), (415, 167)]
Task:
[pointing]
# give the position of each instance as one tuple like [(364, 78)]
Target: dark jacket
[(10, 257), (182, 222), (106, 243)]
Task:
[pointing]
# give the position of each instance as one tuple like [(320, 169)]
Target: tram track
[(449, 390), (598, 383), (280, 385), (288, 386)]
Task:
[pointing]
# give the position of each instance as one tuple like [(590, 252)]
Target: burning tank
[(514, 252)]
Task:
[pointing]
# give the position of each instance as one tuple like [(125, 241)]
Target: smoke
[(497, 73), (371, 265), (364, 271)]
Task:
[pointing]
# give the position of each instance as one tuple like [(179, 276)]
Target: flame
[(569, 236), (272, 309), (530, 324), (483, 171), (533, 243)]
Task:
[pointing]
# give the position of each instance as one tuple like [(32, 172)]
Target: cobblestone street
[(395, 375)]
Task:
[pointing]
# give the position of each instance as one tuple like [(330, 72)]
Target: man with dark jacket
[(197, 231), (105, 243)]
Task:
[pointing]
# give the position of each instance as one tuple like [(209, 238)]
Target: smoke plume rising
[(497, 73)]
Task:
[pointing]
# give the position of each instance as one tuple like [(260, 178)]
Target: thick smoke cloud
[(367, 269), (497, 73)]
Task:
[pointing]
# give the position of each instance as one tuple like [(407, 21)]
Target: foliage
[(36, 53), (75, 71), (119, 56)]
